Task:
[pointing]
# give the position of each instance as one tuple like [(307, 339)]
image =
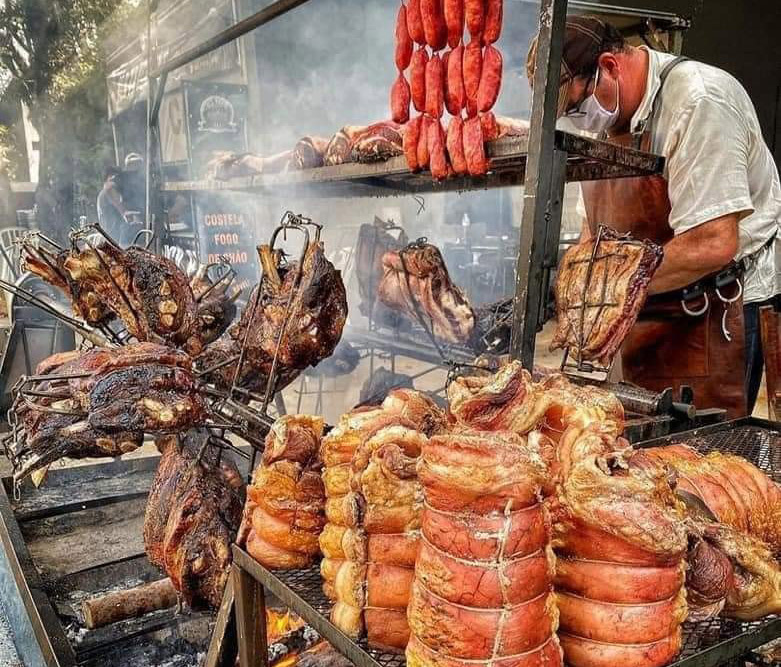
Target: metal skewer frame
[(581, 365)]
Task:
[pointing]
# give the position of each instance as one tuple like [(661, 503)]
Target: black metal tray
[(705, 644)]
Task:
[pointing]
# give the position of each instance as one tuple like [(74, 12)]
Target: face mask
[(593, 117)]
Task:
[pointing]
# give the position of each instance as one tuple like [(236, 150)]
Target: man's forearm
[(696, 254)]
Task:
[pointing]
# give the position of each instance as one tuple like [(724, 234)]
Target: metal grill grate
[(760, 445), (705, 643)]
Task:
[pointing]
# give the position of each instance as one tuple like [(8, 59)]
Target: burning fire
[(279, 624)]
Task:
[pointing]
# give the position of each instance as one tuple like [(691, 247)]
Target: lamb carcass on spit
[(416, 282), (148, 293), (310, 309), (192, 517), (101, 402)]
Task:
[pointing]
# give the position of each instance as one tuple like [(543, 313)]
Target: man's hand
[(697, 253)]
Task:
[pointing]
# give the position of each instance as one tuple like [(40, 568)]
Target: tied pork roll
[(373, 510), (484, 572), (620, 545), (284, 513)]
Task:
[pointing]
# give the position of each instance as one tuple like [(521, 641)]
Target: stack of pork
[(284, 513), (465, 78), (373, 511), (520, 529)]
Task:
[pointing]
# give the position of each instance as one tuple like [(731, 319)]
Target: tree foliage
[(51, 60)]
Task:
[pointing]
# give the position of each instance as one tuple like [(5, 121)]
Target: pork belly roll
[(285, 509), (620, 543), (483, 578)]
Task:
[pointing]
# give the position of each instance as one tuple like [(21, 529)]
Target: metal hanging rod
[(265, 15)]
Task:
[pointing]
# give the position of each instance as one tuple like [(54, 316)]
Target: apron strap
[(649, 125)]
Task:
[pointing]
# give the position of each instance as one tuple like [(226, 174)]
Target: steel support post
[(540, 188)]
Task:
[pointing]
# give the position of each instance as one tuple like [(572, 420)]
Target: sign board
[(226, 225), (216, 121)]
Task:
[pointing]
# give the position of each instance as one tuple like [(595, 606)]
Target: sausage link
[(490, 79), (455, 95), (404, 43), (417, 78), (473, 69), (489, 126), (455, 145), (454, 20), (474, 11), (436, 150), (435, 84), (410, 142), (400, 99), (415, 22), (474, 147), (494, 11), (423, 154), (433, 23)]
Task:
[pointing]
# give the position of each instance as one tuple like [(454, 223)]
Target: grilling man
[(716, 209)]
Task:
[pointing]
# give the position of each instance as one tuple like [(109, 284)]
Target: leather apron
[(668, 347)]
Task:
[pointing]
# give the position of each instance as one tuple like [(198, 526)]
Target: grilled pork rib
[(101, 402), (192, 517), (150, 294), (416, 282), (617, 287)]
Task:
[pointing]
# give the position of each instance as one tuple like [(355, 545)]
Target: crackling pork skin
[(285, 510), (619, 277)]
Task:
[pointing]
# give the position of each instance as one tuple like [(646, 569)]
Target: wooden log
[(121, 605)]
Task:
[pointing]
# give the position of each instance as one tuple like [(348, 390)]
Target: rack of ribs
[(149, 294), (601, 286), (100, 403)]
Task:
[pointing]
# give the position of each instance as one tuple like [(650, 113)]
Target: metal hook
[(734, 298), (696, 313)]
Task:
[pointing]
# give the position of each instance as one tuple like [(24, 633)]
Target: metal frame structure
[(543, 161)]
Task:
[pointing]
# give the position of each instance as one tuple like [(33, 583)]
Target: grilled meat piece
[(621, 540), (377, 143), (483, 578), (617, 288), (150, 294), (85, 301), (216, 305), (738, 493), (373, 242), (285, 510), (359, 143), (416, 282), (315, 317), (101, 402), (309, 153), (192, 517)]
